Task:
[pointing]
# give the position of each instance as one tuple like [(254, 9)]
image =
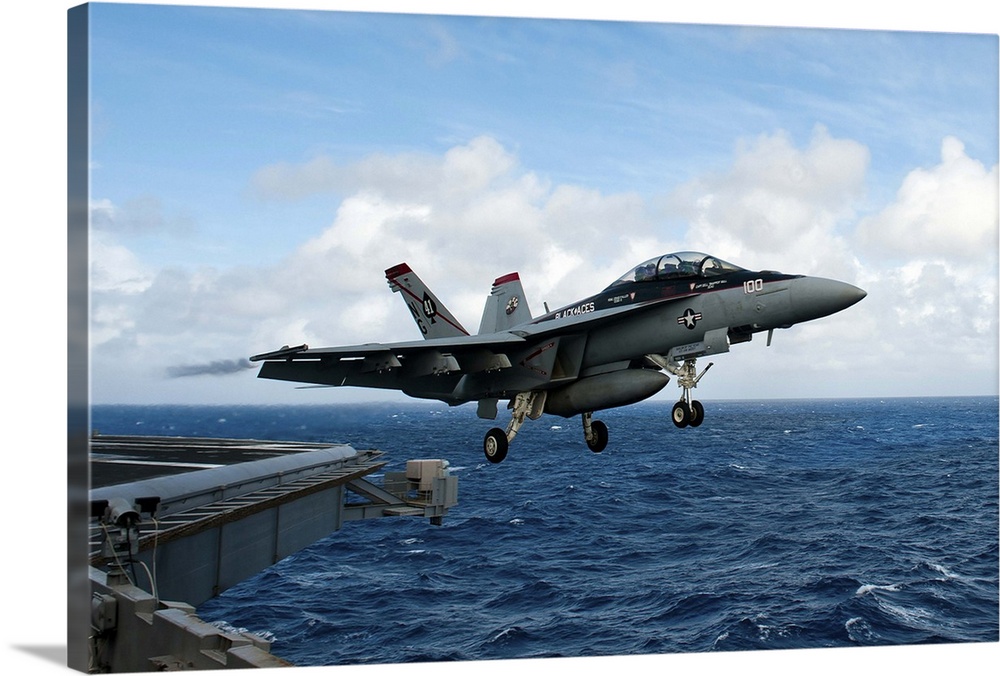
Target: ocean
[(774, 525)]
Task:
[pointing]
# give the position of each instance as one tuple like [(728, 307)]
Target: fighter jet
[(611, 349)]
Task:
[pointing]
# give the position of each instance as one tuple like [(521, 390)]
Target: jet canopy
[(682, 265)]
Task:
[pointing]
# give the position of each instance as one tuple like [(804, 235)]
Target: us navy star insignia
[(689, 319)]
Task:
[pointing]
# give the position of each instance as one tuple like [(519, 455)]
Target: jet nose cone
[(815, 297)]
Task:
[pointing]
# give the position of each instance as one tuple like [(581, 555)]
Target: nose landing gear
[(686, 414), (688, 411)]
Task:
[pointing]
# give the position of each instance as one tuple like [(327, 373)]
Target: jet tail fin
[(506, 306), (432, 317)]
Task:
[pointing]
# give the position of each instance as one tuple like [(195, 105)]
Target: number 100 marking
[(752, 285)]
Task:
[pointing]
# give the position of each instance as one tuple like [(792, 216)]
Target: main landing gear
[(495, 445), (524, 405), (688, 411), (530, 405), (595, 432)]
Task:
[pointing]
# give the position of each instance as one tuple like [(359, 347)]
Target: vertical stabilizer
[(506, 307), (432, 317)]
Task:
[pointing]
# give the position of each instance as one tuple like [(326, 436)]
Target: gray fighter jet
[(610, 349)]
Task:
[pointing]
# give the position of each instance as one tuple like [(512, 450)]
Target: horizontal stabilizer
[(283, 353)]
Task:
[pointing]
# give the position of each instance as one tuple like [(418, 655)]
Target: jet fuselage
[(609, 349)]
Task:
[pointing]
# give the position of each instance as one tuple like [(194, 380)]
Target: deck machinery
[(205, 514)]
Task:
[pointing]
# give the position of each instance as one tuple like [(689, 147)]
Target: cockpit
[(677, 266)]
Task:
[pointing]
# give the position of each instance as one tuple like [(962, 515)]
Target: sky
[(254, 171)]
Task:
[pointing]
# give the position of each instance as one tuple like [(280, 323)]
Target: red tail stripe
[(397, 270), (506, 279)]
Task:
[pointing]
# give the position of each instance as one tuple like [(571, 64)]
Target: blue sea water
[(776, 524)]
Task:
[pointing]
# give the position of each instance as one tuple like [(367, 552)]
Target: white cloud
[(113, 267), (473, 213), (931, 272), (949, 210), (145, 215), (363, 221), (930, 327), (778, 206), (460, 219), (928, 261)]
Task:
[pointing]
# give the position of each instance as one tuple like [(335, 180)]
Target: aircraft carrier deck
[(185, 518), (124, 459)]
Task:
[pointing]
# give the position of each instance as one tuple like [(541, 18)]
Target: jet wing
[(460, 345), (423, 368), (515, 360)]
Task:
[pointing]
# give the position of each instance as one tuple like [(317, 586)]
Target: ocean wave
[(869, 588), (864, 524), (859, 631)]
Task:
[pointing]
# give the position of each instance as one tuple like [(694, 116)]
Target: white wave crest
[(866, 588)]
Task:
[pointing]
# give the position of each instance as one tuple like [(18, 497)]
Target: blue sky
[(195, 100), (255, 170)]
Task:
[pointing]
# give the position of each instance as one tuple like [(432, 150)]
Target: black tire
[(697, 414), (495, 445), (599, 440), (680, 414)]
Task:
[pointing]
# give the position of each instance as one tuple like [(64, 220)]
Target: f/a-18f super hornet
[(607, 350)]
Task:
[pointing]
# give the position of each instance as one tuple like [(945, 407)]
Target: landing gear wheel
[(599, 441), (697, 414), (681, 414), (686, 412), (495, 445)]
